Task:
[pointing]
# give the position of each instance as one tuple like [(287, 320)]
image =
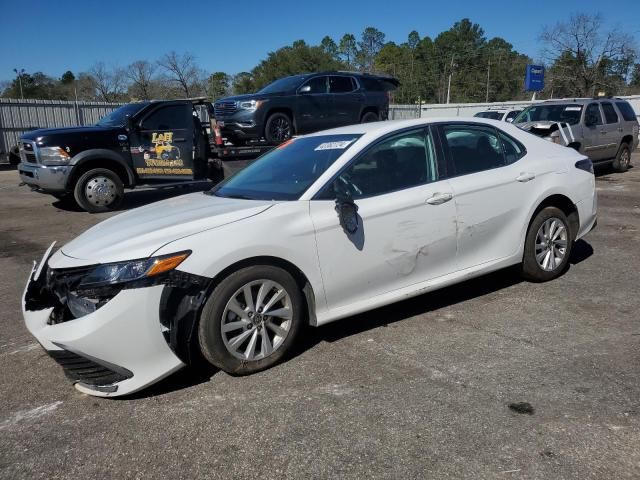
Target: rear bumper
[(588, 215), (42, 177), (116, 350)]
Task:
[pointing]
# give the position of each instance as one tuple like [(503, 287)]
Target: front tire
[(623, 158), (99, 190), (547, 246), (251, 320), (278, 128)]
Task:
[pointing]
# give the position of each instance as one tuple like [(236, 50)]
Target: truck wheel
[(623, 159), (278, 128), (99, 190), (369, 117)]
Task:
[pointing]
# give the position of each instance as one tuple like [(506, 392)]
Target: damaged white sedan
[(321, 228)]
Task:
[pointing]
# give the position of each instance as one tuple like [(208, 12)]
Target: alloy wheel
[(625, 158), (280, 129), (551, 244), (256, 320)]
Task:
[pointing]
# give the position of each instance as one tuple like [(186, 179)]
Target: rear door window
[(593, 109), (340, 85), (473, 149), (627, 111), (610, 114)]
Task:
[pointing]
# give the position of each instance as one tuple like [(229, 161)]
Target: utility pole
[(450, 75), (488, 76), (19, 73)]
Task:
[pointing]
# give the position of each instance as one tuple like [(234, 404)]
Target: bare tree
[(585, 57), (109, 84), (141, 75), (182, 71)]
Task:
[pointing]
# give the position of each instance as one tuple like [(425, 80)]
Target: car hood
[(142, 231), (251, 96), (45, 133), (541, 128)]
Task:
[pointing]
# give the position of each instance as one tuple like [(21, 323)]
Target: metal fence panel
[(19, 116)]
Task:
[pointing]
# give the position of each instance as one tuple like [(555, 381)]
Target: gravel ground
[(418, 389)]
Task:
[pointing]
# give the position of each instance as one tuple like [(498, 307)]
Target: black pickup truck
[(157, 143)]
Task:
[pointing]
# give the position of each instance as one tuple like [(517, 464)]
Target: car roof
[(388, 126), (579, 101)]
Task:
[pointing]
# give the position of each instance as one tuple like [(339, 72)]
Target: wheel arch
[(299, 276), (371, 109), (565, 204), (628, 139), (100, 158)]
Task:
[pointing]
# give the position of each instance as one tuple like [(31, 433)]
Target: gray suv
[(604, 129)]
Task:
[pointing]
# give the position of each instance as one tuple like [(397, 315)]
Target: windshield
[(566, 113), (118, 117), (489, 115), (283, 85), (287, 171)]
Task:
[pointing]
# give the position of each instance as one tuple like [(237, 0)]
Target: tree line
[(460, 64)]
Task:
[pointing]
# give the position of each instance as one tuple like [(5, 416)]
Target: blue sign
[(534, 78)]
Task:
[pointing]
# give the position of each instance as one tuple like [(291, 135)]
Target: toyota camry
[(320, 228)]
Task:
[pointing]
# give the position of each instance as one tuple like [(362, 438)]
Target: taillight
[(585, 165)]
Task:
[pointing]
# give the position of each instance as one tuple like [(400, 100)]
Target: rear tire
[(99, 190), (240, 347), (547, 246), (623, 158), (369, 117), (278, 128)]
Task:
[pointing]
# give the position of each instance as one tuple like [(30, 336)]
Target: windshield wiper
[(234, 195)]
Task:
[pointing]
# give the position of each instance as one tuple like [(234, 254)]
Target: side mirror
[(509, 120), (345, 207), (305, 89)]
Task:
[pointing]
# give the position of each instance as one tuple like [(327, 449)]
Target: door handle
[(525, 177), (439, 198), (603, 132), (179, 139)]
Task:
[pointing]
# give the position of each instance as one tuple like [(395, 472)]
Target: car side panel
[(284, 231)]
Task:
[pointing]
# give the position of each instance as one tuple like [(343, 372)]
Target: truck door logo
[(163, 158)]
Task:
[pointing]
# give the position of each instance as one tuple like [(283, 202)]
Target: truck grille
[(222, 109), (28, 152), (84, 370)]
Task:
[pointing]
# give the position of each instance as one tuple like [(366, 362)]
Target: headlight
[(250, 105), (122, 272), (54, 156)]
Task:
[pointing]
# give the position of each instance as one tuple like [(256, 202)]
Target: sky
[(233, 36)]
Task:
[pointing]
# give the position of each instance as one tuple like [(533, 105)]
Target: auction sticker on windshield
[(334, 145)]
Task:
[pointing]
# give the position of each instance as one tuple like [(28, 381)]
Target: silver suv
[(604, 129)]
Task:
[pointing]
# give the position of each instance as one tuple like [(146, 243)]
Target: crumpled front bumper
[(121, 342)]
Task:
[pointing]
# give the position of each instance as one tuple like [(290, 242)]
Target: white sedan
[(321, 228)]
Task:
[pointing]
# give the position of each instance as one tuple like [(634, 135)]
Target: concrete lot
[(419, 389)]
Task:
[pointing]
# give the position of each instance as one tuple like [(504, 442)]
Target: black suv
[(302, 104)]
